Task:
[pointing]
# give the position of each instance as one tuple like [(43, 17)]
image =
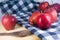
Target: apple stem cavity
[(41, 12)]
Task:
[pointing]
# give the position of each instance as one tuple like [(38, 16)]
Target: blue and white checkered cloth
[(22, 9)]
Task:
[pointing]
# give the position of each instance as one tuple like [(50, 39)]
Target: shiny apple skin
[(32, 18), (53, 14), (44, 21), (9, 22), (43, 5)]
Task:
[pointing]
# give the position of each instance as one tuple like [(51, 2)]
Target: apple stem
[(8, 14), (41, 11)]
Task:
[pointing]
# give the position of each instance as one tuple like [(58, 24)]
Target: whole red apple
[(56, 6), (44, 21), (53, 13), (33, 17), (43, 5), (8, 21)]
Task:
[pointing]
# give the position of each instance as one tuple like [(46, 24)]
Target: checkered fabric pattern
[(22, 9)]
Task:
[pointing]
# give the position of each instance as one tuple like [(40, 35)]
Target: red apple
[(43, 5), (56, 6), (33, 17), (44, 21), (53, 13), (8, 21)]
